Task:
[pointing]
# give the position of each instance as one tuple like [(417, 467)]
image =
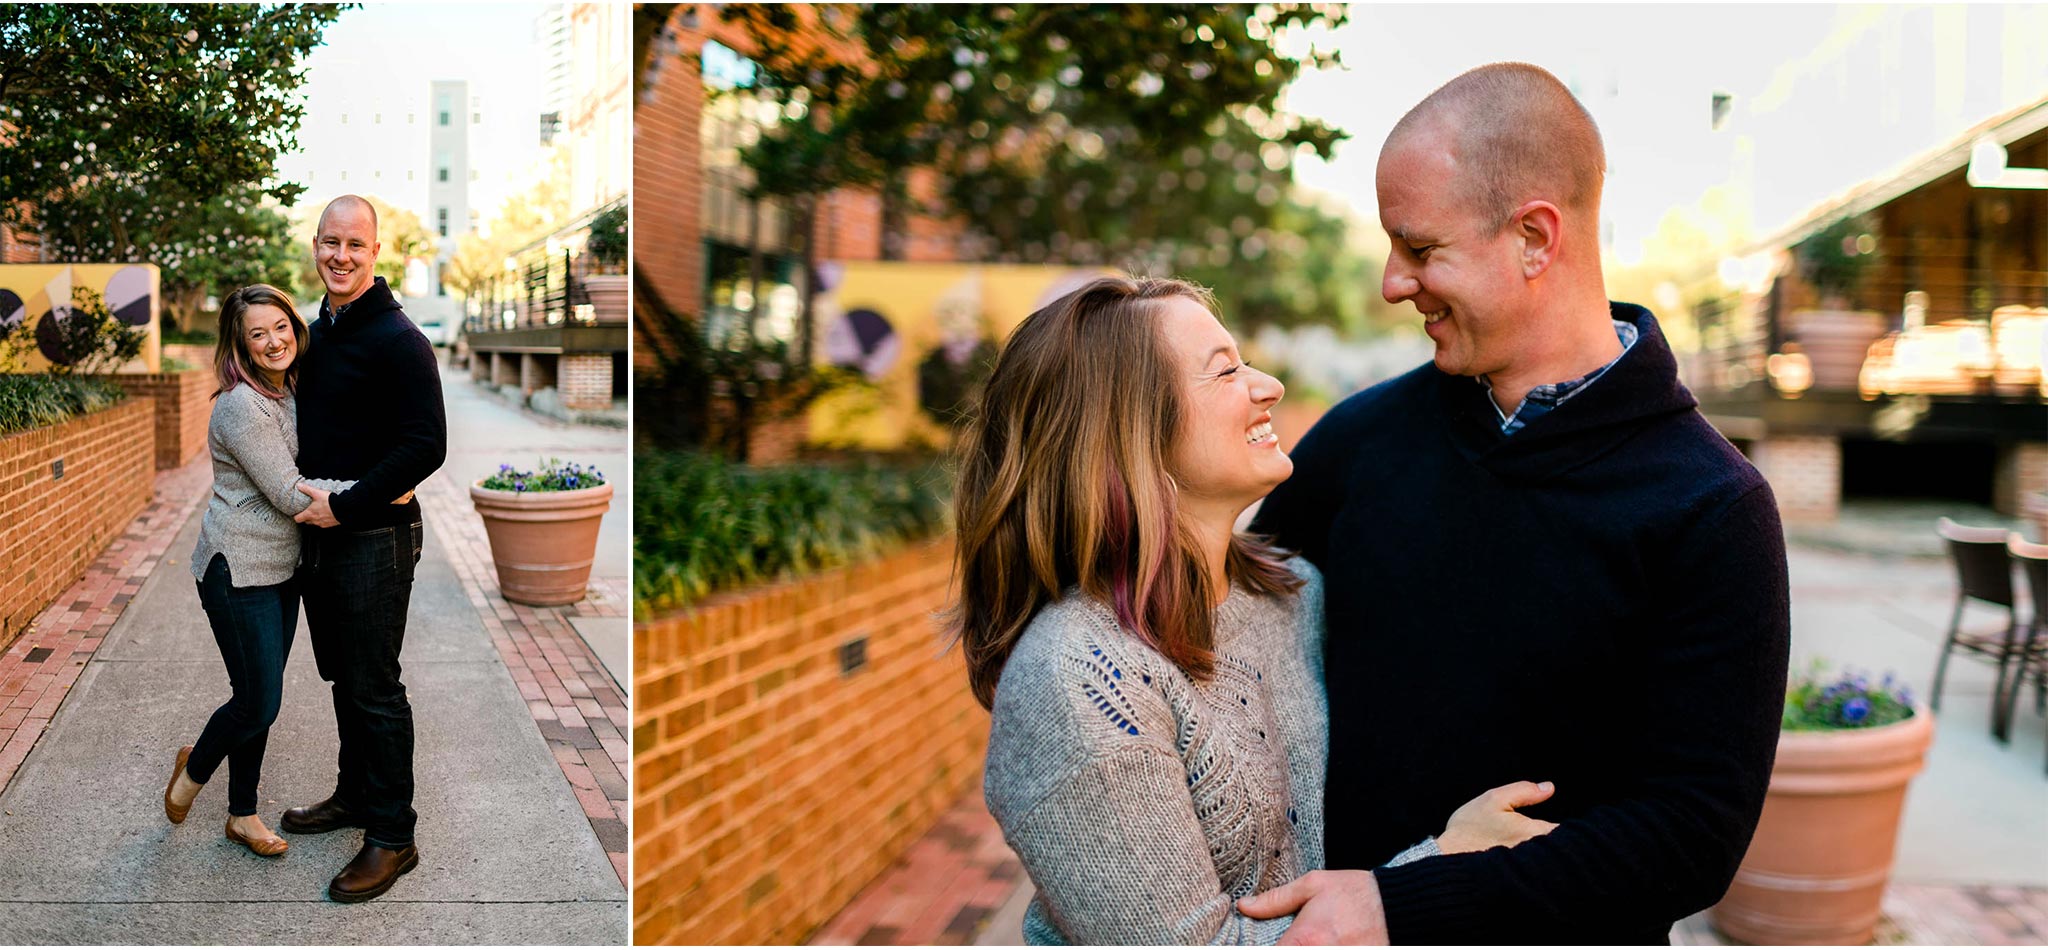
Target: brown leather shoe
[(270, 847), (372, 873), (172, 811), (319, 818)]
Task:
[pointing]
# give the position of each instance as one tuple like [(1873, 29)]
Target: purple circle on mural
[(12, 310), (49, 335), (864, 340), (128, 296)]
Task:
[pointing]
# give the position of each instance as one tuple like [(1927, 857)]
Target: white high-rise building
[(454, 111), (553, 34)]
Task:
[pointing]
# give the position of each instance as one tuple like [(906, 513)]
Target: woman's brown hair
[(1064, 480), (232, 364)]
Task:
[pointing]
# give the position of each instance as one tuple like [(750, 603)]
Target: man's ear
[(1541, 227)]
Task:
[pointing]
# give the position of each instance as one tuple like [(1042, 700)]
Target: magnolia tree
[(205, 248), (150, 133), (1150, 137)]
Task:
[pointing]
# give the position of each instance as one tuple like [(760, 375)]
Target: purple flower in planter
[(1855, 710), (518, 486)]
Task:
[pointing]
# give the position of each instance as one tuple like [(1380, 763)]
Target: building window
[(441, 222), (444, 117), (344, 118), (476, 118), (344, 176), (408, 174), (475, 175), (378, 174), (377, 119), (410, 118), (444, 174)]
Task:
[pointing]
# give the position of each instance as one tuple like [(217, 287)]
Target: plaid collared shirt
[(1543, 399)]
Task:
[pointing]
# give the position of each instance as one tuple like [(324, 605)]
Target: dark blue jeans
[(253, 627), (357, 586)]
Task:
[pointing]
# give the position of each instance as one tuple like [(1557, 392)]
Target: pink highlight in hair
[(231, 375), (1134, 605)]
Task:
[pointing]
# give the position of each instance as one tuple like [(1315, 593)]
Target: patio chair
[(2033, 561), (1983, 573)]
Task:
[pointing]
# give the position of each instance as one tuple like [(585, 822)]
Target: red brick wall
[(51, 529), (769, 787), (668, 180), (183, 406), (19, 247), (586, 381)]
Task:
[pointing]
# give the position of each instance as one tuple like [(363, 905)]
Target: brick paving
[(580, 710), (947, 888), (943, 890), (38, 669)]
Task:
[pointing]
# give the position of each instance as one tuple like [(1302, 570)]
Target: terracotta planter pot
[(1835, 343), (543, 542), (607, 296), (1816, 871)]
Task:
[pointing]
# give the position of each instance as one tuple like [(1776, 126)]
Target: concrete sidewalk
[(507, 855)]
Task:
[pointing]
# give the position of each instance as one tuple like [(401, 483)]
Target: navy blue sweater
[(1599, 601), (370, 409)]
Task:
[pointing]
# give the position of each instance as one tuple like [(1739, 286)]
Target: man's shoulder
[(1396, 397)]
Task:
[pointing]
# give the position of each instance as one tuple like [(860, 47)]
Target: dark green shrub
[(609, 241), (702, 524), (31, 401)]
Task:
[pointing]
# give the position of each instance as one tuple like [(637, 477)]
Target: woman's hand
[(402, 499), (1490, 821)]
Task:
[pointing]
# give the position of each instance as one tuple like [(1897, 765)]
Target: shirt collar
[(1549, 396)]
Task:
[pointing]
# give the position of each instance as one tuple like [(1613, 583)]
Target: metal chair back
[(1983, 565)]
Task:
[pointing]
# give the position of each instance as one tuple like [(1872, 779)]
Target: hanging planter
[(1815, 873), (543, 529)]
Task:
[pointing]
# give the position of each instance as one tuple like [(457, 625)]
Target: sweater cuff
[(1427, 849), (342, 504), (1426, 901)]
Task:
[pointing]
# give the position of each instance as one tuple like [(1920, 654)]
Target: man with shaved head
[(369, 405), (1542, 566)]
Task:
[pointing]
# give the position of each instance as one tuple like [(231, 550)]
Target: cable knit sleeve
[(1086, 781), (250, 428)]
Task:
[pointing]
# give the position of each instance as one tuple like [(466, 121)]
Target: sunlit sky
[(1824, 96), (383, 57)]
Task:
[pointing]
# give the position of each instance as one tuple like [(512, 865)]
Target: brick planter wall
[(770, 786), (1805, 473), (52, 528), (183, 406)]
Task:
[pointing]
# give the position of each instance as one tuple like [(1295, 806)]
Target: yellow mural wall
[(919, 307), (133, 292)]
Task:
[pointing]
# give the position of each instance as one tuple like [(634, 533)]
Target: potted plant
[(543, 529), (607, 248), (1817, 868), (1836, 339)]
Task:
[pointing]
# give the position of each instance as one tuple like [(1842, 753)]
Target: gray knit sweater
[(1144, 803), (254, 440)]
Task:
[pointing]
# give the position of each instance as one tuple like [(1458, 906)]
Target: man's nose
[(1398, 283)]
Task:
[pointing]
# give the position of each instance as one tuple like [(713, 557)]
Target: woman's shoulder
[(1075, 626), (1301, 568), (242, 406), (1072, 648)]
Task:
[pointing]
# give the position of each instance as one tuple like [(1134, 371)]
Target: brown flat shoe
[(171, 811), (270, 847), (372, 873)]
